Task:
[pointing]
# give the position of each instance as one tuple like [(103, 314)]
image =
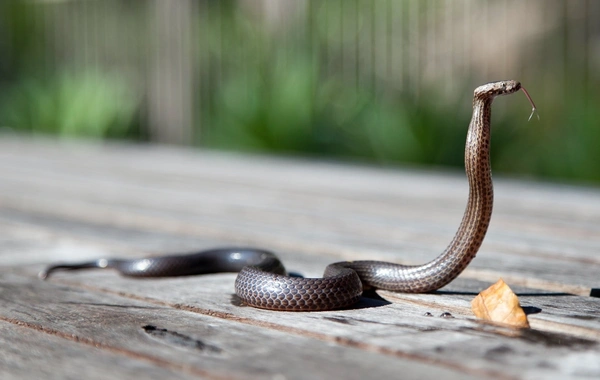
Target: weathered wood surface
[(71, 202)]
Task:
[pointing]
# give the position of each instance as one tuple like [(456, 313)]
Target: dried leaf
[(498, 303)]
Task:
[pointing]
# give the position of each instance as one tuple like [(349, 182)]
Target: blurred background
[(388, 82)]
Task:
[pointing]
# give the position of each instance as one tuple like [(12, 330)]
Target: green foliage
[(288, 90), (563, 144), (84, 105), (291, 109)]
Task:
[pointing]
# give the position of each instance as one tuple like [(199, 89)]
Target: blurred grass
[(281, 102), (271, 93), (88, 104)]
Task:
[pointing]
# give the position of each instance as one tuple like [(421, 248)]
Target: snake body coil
[(262, 281)]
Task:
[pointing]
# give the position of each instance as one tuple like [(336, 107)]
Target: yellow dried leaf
[(498, 303)]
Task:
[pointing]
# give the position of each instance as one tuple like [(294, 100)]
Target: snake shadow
[(527, 309), (519, 294), (368, 300), (371, 299)]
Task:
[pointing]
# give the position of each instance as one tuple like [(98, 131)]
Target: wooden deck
[(72, 202)]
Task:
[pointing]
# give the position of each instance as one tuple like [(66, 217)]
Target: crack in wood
[(180, 340)]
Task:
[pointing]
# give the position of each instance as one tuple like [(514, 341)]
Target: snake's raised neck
[(478, 213), (476, 219)]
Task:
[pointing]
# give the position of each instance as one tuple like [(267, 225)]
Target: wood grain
[(72, 202)]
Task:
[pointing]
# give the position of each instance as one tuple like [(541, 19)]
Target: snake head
[(491, 90)]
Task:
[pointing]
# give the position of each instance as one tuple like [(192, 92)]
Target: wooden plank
[(160, 243), (378, 328), (397, 330), (350, 242), (413, 230), (192, 343), (29, 352), (405, 187), (63, 202)]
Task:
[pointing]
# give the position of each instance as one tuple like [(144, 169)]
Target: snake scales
[(262, 281)]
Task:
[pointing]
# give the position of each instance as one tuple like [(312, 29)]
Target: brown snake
[(262, 281)]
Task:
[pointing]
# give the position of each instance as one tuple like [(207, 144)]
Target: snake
[(262, 281)]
